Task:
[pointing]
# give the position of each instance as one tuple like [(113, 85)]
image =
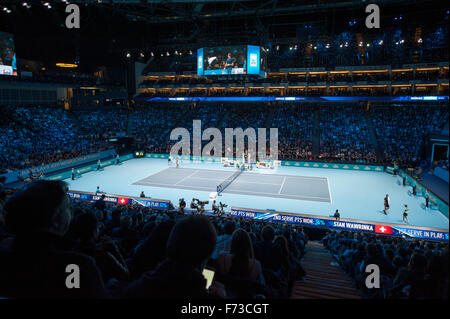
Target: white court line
[(329, 191), (328, 199), (273, 194), (157, 172), (282, 184), (237, 181), (237, 192), (195, 172), (172, 186)]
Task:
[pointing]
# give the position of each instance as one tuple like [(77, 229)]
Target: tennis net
[(221, 187)]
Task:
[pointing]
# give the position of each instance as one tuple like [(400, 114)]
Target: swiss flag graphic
[(122, 200), (383, 229)]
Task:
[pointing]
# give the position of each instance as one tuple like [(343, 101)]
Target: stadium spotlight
[(142, 55), (128, 55), (420, 40)]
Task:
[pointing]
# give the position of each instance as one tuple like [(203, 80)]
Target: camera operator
[(215, 208), (222, 210), (201, 206), (182, 206), (194, 204)]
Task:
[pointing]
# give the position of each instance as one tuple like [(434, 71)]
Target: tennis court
[(247, 183)]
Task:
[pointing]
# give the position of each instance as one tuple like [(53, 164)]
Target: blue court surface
[(315, 191), (247, 183)]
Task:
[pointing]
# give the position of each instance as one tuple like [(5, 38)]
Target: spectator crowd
[(32, 136), (126, 251), (136, 252), (408, 270)]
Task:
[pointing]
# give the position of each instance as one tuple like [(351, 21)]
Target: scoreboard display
[(231, 60)]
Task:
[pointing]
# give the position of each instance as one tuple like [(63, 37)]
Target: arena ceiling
[(108, 27)]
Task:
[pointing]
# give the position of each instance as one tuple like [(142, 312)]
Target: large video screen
[(238, 59), (222, 60), (8, 64)]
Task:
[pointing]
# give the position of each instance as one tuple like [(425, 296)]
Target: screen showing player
[(225, 60), (8, 65)]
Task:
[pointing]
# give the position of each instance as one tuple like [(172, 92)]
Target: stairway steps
[(324, 293), (322, 279), (331, 286)]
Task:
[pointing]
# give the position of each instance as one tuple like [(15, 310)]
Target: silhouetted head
[(41, 206)]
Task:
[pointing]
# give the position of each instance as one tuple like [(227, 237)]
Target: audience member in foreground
[(34, 266), (190, 245)]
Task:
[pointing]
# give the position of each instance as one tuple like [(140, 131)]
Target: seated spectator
[(240, 261), (114, 222), (224, 241), (268, 253), (100, 204), (410, 281), (125, 234), (291, 268), (190, 245), (85, 229), (152, 250), (34, 266)]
